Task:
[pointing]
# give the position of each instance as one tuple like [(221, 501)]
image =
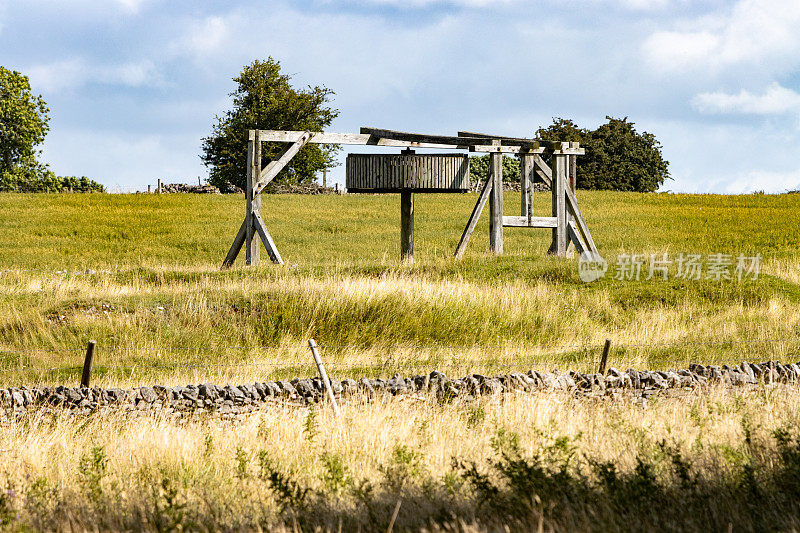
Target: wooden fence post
[(323, 375), (496, 203), (87, 364), (604, 357)]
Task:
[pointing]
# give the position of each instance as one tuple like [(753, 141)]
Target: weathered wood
[(558, 188), (496, 204), (266, 238), (274, 167), (575, 238), (365, 139), (444, 139), (532, 222), (406, 225), (473, 218), (526, 174), (604, 357), (86, 376), (324, 376), (375, 173), (252, 248), (521, 140), (580, 222), (543, 170), (573, 172), (238, 242)]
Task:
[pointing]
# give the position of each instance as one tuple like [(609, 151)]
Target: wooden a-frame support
[(567, 222), (257, 179)]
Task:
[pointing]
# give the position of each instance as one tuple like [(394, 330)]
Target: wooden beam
[(526, 174), (511, 140), (576, 238), (473, 219), (580, 222), (558, 188), (252, 250), (275, 167), (371, 140), (238, 241), (406, 225), (533, 222), (443, 139), (543, 170), (496, 204), (266, 238)]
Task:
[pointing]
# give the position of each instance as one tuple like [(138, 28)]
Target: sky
[(134, 85)]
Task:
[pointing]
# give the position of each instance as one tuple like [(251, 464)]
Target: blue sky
[(133, 85)]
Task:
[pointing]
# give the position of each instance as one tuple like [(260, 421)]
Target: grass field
[(157, 297), (140, 273)]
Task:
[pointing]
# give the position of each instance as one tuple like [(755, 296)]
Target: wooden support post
[(323, 375), (159, 186), (526, 175), (324, 178), (406, 225), (496, 204), (148, 189), (573, 172), (604, 357), (559, 184), (251, 242), (571, 175), (87, 364)]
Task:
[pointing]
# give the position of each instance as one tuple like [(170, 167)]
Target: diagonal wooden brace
[(473, 218), (274, 167)]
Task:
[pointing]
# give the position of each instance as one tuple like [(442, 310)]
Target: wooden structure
[(566, 221), (407, 173)]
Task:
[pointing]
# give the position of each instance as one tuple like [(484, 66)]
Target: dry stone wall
[(232, 401)]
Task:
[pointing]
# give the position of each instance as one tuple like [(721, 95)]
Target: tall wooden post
[(406, 225), (496, 204), (251, 243), (558, 187), (526, 176)]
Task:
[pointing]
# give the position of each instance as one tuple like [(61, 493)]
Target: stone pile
[(186, 188), (232, 400)]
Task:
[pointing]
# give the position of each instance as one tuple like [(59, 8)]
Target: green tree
[(617, 156), (265, 99), (23, 121)]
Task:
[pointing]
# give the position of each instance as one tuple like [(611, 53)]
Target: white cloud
[(136, 159), (764, 181), (774, 101), (752, 32), (205, 35), (76, 72)]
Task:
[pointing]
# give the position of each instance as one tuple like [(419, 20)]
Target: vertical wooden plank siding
[(496, 204)]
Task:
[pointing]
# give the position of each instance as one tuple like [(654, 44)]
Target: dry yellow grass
[(217, 466)]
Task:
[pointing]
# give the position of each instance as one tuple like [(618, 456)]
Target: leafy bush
[(32, 176), (617, 156)]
